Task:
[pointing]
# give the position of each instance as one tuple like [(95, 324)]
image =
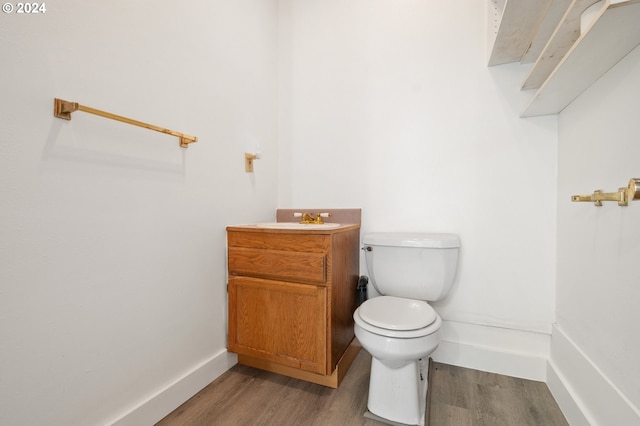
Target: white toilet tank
[(413, 265)]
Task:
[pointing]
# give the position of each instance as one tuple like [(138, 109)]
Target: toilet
[(399, 328)]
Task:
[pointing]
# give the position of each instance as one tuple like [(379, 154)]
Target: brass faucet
[(307, 218)]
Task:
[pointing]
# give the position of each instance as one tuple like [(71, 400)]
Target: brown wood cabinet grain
[(292, 294)]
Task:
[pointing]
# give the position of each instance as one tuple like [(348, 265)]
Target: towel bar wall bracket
[(622, 196), (63, 109)]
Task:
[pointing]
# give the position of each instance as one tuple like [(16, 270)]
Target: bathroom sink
[(296, 225)]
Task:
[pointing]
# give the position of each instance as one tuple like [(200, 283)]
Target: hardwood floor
[(458, 397), (463, 397)]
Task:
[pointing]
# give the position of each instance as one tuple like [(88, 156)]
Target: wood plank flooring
[(465, 397), (458, 397)]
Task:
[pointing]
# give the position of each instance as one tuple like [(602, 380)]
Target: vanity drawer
[(312, 243), (305, 267)]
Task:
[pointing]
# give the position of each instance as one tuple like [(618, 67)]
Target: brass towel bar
[(622, 196), (63, 109)]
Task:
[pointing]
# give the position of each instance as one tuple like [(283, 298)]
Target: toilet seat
[(397, 317), (397, 313)]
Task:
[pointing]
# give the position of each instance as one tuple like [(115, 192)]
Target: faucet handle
[(319, 217)]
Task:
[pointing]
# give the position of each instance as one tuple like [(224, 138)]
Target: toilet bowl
[(399, 351), (399, 328)]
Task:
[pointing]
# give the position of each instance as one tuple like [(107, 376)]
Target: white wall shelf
[(561, 40), (513, 24), (615, 33), (570, 61), (555, 13)]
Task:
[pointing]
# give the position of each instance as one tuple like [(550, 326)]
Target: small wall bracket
[(63, 109), (248, 161)]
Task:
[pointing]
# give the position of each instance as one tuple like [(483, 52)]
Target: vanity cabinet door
[(279, 321)]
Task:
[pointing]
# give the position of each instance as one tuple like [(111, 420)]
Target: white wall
[(112, 278), (597, 347), (390, 106), (112, 248)]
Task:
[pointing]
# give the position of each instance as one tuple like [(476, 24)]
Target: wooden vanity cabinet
[(292, 294)]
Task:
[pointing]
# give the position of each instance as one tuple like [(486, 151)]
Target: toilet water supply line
[(622, 196)]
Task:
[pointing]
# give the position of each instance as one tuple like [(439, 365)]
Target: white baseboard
[(498, 350), (585, 395), (156, 407), (564, 398)]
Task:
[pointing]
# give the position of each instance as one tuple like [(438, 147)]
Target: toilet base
[(398, 394), (369, 415)]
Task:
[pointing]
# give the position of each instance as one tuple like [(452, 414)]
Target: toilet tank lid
[(412, 239)]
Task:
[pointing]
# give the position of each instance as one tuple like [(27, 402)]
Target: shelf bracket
[(63, 109)]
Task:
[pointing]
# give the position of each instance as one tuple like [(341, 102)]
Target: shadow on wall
[(87, 143)]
